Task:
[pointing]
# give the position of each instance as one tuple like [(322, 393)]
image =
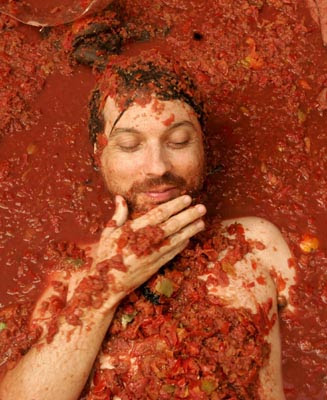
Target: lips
[(162, 193)]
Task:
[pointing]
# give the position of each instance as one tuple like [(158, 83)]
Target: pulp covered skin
[(266, 135), (193, 342)]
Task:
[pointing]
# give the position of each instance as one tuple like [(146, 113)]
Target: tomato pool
[(262, 67)]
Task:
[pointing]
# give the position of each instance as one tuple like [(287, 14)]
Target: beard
[(138, 203)]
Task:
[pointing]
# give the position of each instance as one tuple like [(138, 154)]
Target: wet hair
[(135, 80)]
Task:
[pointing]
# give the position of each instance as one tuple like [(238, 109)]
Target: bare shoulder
[(258, 229), (274, 254), (261, 230)]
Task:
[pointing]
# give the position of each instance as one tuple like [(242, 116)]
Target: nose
[(157, 162)]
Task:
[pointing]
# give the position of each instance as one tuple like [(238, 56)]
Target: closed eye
[(178, 145), (129, 149)]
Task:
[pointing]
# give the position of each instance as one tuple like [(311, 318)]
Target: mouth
[(162, 193)]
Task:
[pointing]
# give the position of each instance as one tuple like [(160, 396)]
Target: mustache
[(167, 179)]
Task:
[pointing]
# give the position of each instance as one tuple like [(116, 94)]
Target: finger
[(164, 258), (138, 276), (184, 234), (162, 212), (118, 219), (121, 212), (184, 218)]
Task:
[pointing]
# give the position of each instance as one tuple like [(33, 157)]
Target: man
[(210, 329)]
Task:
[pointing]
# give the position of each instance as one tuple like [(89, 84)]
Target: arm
[(274, 257), (269, 269), (59, 370)]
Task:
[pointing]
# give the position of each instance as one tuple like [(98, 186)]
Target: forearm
[(58, 370)]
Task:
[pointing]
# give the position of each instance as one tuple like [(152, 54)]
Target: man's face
[(154, 152)]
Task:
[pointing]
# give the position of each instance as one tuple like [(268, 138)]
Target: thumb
[(117, 220), (121, 213)]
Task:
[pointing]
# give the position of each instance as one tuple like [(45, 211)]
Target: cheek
[(119, 170), (189, 165)]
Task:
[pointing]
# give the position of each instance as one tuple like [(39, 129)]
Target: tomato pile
[(184, 343), (262, 69)]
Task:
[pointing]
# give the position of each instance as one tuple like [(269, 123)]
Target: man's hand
[(178, 223), (127, 255)]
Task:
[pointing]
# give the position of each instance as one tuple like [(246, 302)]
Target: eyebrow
[(179, 124), (117, 131)]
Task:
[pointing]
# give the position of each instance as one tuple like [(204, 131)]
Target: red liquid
[(266, 136)]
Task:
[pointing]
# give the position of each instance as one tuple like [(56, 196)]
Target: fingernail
[(201, 208), (187, 199)]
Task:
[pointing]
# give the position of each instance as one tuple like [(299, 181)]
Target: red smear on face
[(261, 280), (169, 120)]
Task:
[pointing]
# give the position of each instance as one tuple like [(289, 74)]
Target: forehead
[(156, 114)]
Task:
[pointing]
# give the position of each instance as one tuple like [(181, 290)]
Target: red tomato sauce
[(186, 344), (142, 241), (262, 67)]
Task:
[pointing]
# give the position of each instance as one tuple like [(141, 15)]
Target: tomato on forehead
[(131, 80)]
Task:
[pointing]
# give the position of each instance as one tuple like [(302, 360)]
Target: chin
[(138, 206), (142, 206)]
